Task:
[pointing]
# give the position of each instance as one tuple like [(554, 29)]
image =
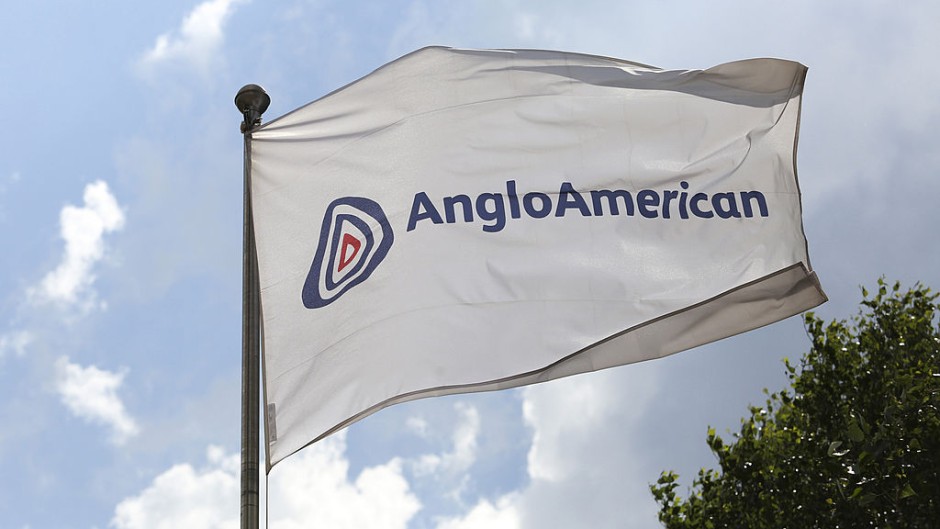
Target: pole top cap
[(251, 100)]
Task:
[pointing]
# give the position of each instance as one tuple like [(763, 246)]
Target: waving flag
[(471, 220)]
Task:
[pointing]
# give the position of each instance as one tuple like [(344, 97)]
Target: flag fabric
[(471, 220)]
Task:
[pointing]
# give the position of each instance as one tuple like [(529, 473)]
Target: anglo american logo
[(356, 235), (354, 238), (495, 209)]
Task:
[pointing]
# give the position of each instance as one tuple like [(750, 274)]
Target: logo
[(354, 239), (496, 209)]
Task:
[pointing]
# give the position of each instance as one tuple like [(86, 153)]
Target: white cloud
[(461, 457), (186, 497), (197, 40), (83, 229), (581, 472), (91, 394), (311, 489), (418, 426), (448, 470), (485, 515), (16, 341)]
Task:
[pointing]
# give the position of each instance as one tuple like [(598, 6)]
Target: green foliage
[(854, 442)]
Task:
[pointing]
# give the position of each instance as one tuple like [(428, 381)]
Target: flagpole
[(251, 101)]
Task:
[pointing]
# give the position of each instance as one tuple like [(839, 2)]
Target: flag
[(470, 220)]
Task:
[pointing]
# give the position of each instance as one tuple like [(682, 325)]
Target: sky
[(120, 291)]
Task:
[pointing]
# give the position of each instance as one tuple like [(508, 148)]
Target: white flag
[(470, 220)]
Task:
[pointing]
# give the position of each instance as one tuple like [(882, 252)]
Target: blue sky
[(120, 220)]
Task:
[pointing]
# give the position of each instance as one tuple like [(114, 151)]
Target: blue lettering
[(683, 212), (645, 200), (568, 198), (498, 213), (464, 201), (696, 210), (544, 209), (430, 212), (513, 199), (746, 197), (729, 210), (611, 197), (495, 209), (667, 197)]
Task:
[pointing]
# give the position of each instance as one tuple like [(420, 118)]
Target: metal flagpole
[(251, 101)]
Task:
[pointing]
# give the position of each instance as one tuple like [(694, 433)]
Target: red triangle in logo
[(345, 255)]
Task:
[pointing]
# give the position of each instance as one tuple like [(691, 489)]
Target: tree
[(853, 442)]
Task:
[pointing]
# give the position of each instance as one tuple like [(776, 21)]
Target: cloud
[(88, 392), (186, 497), (449, 470), (198, 39), (580, 458), (485, 515), (311, 489), (16, 341), (83, 229), (91, 394), (418, 426), (577, 465), (461, 457)]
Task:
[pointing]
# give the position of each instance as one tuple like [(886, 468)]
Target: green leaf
[(855, 432), (833, 446), (907, 491)]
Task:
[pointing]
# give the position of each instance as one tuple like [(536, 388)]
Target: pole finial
[(251, 101)]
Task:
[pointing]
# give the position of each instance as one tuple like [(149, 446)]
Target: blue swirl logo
[(354, 238)]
